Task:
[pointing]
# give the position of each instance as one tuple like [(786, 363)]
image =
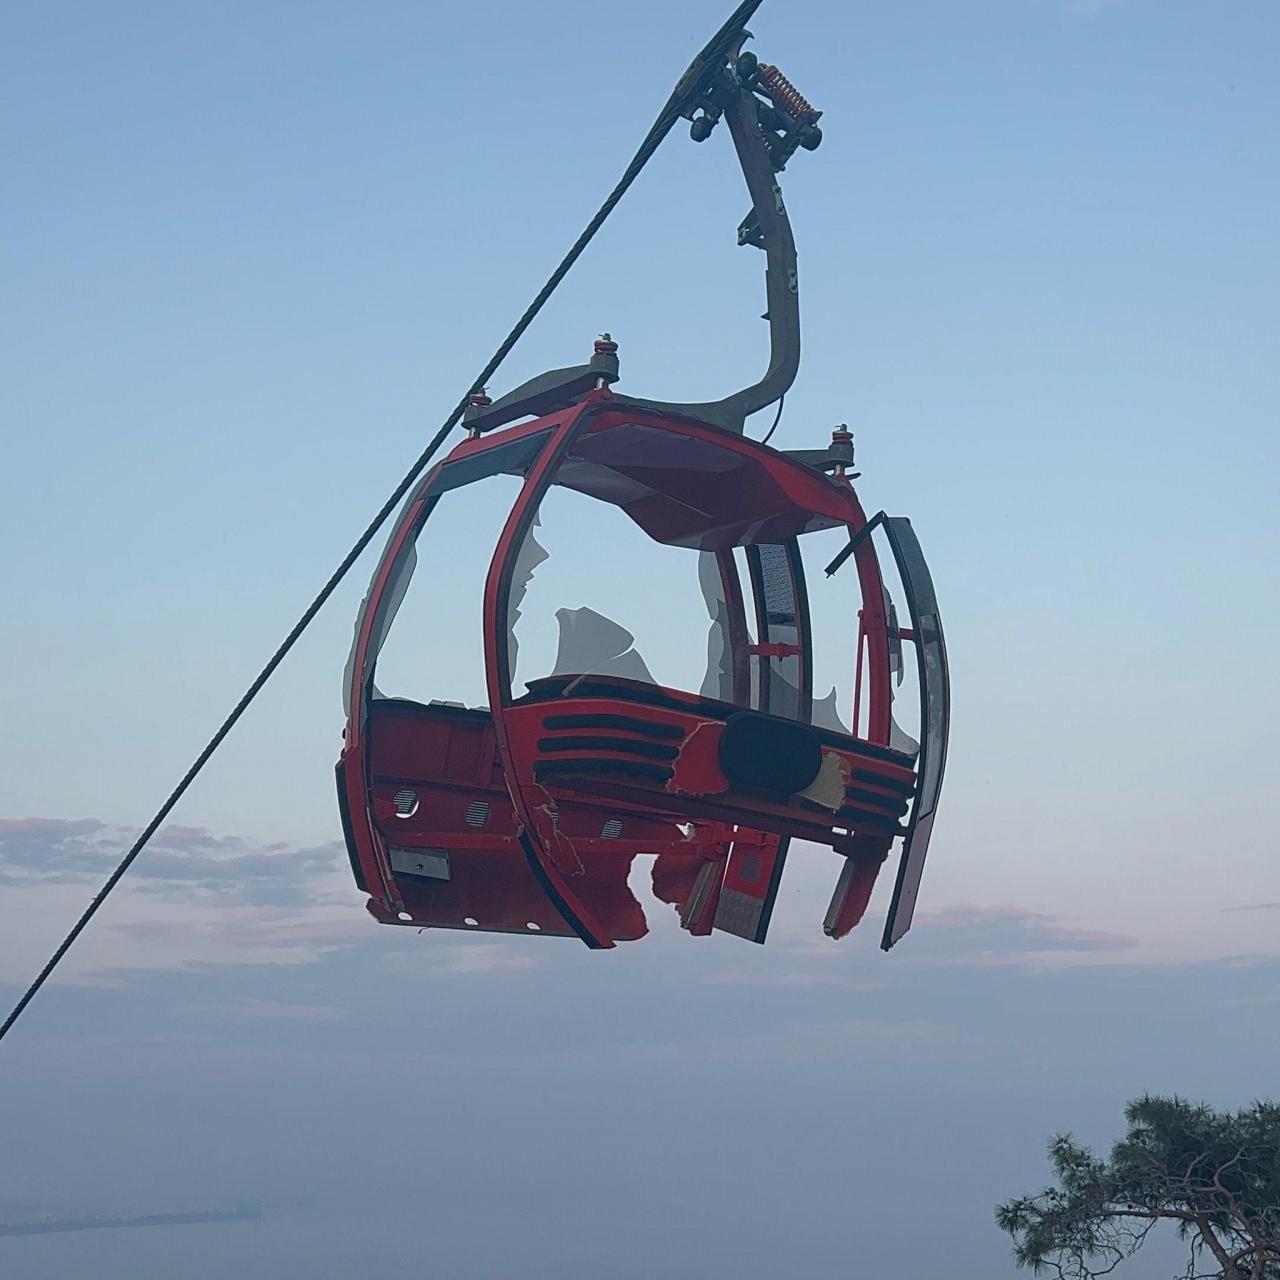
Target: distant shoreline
[(53, 1226)]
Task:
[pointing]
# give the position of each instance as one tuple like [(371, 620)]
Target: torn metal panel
[(828, 788), (752, 878), (853, 889), (699, 770)]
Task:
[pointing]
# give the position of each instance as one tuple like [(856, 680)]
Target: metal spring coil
[(783, 92)]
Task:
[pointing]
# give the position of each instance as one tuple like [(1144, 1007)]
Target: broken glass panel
[(826, 714), (427, 642), (591, 644), (718, 681), (532, 554), (895, 637), (606, 599), (901, 740)]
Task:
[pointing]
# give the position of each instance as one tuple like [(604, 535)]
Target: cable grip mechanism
[(788, 120)]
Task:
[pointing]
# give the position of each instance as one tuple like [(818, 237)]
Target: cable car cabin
[(526, 815)]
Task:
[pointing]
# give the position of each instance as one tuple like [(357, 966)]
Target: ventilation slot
[(477, 813), (612, 829), (778, 581), (406, 803)]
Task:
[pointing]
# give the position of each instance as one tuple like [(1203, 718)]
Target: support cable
[(711, 57)]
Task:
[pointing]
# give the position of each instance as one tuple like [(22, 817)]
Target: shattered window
[(924, 665), (592, 594), (834, 604), (904, 727), (590, 642), (432, 628)]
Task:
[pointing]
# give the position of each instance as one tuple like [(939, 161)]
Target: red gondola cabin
[(525, 815)]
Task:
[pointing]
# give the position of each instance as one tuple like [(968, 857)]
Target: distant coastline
[(50, 1226)]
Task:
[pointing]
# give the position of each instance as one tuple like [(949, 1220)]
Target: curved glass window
[(425, 616), (650, 561), (592, 594)]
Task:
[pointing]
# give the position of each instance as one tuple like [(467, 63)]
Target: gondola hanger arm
[(768, 120)]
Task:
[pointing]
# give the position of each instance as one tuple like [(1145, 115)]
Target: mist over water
[(679, 1112)]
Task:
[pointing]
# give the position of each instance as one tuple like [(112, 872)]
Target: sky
[(252, 255)]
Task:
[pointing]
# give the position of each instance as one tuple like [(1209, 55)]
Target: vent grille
[(406, 803), (612, 829), (477, 813), (778, 583)]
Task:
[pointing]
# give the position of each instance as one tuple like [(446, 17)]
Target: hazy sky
[(252, 254)]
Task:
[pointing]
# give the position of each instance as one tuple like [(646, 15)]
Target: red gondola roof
[(690, 485)]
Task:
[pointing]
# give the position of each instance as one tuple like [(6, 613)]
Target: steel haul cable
[(712, 55)]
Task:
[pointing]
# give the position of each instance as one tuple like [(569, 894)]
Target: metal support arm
[(768, 120), (768, 226)]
